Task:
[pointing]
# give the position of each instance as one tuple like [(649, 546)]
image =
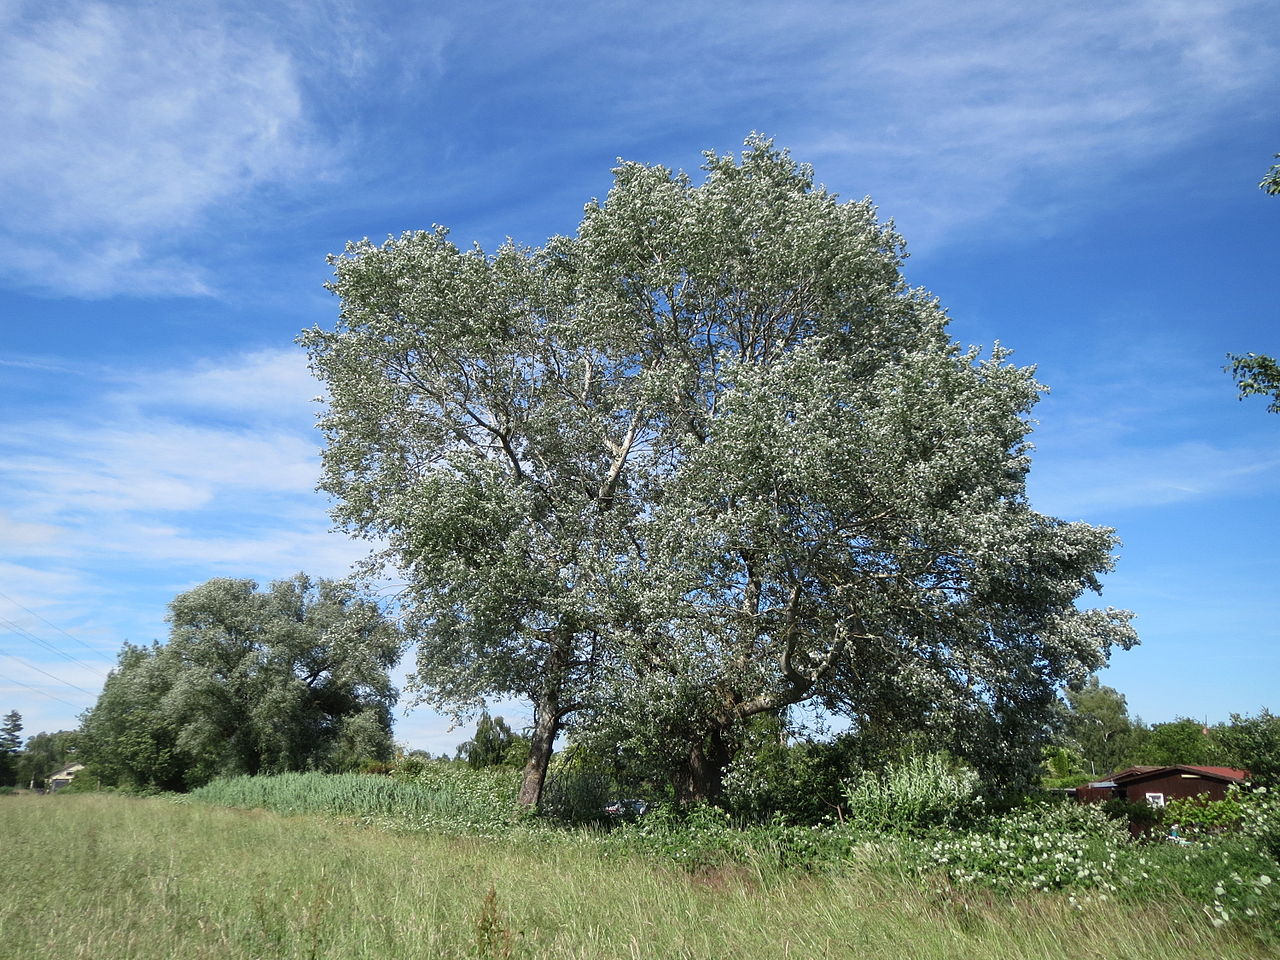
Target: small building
[(60, 778), (1156, 786)]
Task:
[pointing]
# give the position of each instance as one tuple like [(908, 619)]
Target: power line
[(48, 623), (22, 631), (46, 693), (32, 666)]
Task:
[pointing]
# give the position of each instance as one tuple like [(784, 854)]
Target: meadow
[(108, 876)]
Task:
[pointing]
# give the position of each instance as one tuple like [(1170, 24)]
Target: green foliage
[(1041, 847), (46, 753), (1201, 816), (1253, 743), (1137, 812), (128, 738), (494, 744), (915, 794), (799, 783), (1063, 768), (1097, 724), (10, 743), (579, 785), (1271, 182), (708, 458), (1257, 374), (1077, 848), (441, 795), (1260, 818), (293, 678), (1182, 741)]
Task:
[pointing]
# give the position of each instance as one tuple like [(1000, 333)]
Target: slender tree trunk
[(546, 724), (549, 711)]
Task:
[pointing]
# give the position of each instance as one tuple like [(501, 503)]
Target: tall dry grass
[(103, 877)]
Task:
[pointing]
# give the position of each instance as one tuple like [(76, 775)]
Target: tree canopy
[(293, 678), (1257, 374), (493, 744), (1271, 181), (709, 458), (1099, 727)]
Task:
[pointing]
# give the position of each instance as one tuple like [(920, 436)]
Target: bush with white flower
[(1041, 847)]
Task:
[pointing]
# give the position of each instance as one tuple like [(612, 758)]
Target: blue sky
[(1077, 181)]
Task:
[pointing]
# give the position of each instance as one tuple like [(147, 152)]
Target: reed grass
[(442, 794)]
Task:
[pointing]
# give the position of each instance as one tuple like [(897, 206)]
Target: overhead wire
[(23, 632), (32, 666), (45, 693), (48, 623)]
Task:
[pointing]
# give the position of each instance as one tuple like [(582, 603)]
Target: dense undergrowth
[(1059, 848)]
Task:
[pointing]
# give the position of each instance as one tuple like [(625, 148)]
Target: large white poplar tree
[(708, 458)]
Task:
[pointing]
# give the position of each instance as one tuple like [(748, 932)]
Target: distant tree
[(494, 744), (1098, 726), (10, 744), (128, 738), (1253, 744), (1181, 741), (290, 679), (1063, 767), (45, 753)]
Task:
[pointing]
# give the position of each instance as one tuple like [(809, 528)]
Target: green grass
[(108, 876)]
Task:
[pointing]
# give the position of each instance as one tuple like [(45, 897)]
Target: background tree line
[(296, 677)]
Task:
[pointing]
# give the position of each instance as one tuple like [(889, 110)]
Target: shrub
[(1041, 847), (799, 783), (1136, 812), (919, 793), (1200, 816), (1260, 819)]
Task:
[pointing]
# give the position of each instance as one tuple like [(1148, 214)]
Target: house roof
[(1227, 774), (1129, 772), (69, 770)]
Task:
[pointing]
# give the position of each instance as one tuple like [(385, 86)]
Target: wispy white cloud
[(20, 536), (137, 487), (966, 109), (1097, 482), (214, 465), (265, 385), (1133, 423), (151, 463), (125, 126), (132, 127)]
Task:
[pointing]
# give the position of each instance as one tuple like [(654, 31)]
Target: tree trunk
[(702, 780), (546, 724)]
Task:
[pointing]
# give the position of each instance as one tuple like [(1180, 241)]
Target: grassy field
[(105, 876)]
